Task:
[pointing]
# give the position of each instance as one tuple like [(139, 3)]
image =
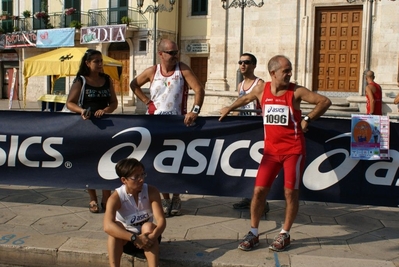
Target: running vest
[(282, 123), (377, 98), (169, 93), (252, 105), (131, 214)]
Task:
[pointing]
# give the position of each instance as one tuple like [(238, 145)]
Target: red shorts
[(271, 165)]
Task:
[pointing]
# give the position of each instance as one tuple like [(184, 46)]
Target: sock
[(254, 231), (285, 232)]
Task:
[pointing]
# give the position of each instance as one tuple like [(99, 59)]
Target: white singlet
[(169, 93), (252, 105), (131, 214)]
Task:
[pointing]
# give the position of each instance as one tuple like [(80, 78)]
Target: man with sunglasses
[(169, 84), (247, 64)]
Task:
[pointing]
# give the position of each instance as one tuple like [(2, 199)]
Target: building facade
[(331, 43)]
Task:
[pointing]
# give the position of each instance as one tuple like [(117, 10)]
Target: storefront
[(9, 68)]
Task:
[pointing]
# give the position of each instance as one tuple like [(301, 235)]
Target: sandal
[(93, 207)]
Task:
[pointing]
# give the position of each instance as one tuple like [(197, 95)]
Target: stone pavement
[(42, 226)]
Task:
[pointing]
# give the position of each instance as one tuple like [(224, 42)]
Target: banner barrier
[(211, 158)]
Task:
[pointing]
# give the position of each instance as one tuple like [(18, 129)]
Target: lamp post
[(155, 8), (241, 4)]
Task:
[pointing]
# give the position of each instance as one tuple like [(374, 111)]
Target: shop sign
[(197, 48), (18, 40), (8, 57), (103, 34)]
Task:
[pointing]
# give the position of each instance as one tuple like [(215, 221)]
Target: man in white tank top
[(247, 65), (169, 84)]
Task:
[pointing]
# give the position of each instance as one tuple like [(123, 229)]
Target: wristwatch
[(307, 119), (133, 238), (196, 109)]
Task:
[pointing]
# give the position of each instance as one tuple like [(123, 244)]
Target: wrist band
[(196, 109)]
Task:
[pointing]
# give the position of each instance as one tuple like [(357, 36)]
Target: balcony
[(93, 17)]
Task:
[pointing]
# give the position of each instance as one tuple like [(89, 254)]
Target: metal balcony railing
[(93, 17)]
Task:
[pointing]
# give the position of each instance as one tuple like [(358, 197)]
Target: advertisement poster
[(370, 137)]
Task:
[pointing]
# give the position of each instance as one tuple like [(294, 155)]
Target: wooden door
[(199, 65), (337, 49), (123, 84)]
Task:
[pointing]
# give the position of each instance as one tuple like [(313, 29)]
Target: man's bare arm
[(369, 93), (321, 102), (194, 84), (255, 94), (139, 81)]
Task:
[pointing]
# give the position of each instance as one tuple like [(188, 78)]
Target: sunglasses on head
[(172, 53), (246, 62)]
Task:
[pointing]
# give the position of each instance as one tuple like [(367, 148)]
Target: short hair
[(253, 58), (126, 167), (163, 43), (370, 74), (274, 63)]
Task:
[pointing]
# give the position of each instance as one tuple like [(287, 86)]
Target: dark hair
[(83, 69), (126, 167), (253, 58)]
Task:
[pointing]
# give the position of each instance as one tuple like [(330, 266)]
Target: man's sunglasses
[(246, 62), (172, 53)]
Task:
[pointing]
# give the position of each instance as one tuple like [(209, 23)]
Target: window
[(76, 16), (199, 7), (117, 10), (6, 7), (39, 5), (142, 45)]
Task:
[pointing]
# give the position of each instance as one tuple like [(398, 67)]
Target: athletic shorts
[(271, 165), (131, 249)]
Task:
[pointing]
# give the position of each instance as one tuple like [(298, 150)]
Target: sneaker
[(281, 242), (166, 204), (176, 206), (250, 241), (245, 203)]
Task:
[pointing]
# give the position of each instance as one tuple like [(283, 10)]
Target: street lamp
[(241, 4), (155, 9)]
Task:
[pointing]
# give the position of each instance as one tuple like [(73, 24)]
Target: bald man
[(373, 95)]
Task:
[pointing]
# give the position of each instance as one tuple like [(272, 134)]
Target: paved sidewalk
[(42, 226)]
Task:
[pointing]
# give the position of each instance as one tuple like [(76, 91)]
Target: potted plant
[(126, 20), (75, 24), (26, 13), (4, 15)]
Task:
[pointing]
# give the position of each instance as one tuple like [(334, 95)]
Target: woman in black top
[(99, 98)]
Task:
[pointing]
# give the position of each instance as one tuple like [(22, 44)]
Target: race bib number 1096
[(276, 115)]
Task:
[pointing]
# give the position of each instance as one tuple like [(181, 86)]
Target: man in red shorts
[(284, 144)]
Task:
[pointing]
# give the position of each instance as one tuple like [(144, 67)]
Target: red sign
[(103, 34)]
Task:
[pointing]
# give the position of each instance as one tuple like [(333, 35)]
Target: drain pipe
[(368, 46)]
